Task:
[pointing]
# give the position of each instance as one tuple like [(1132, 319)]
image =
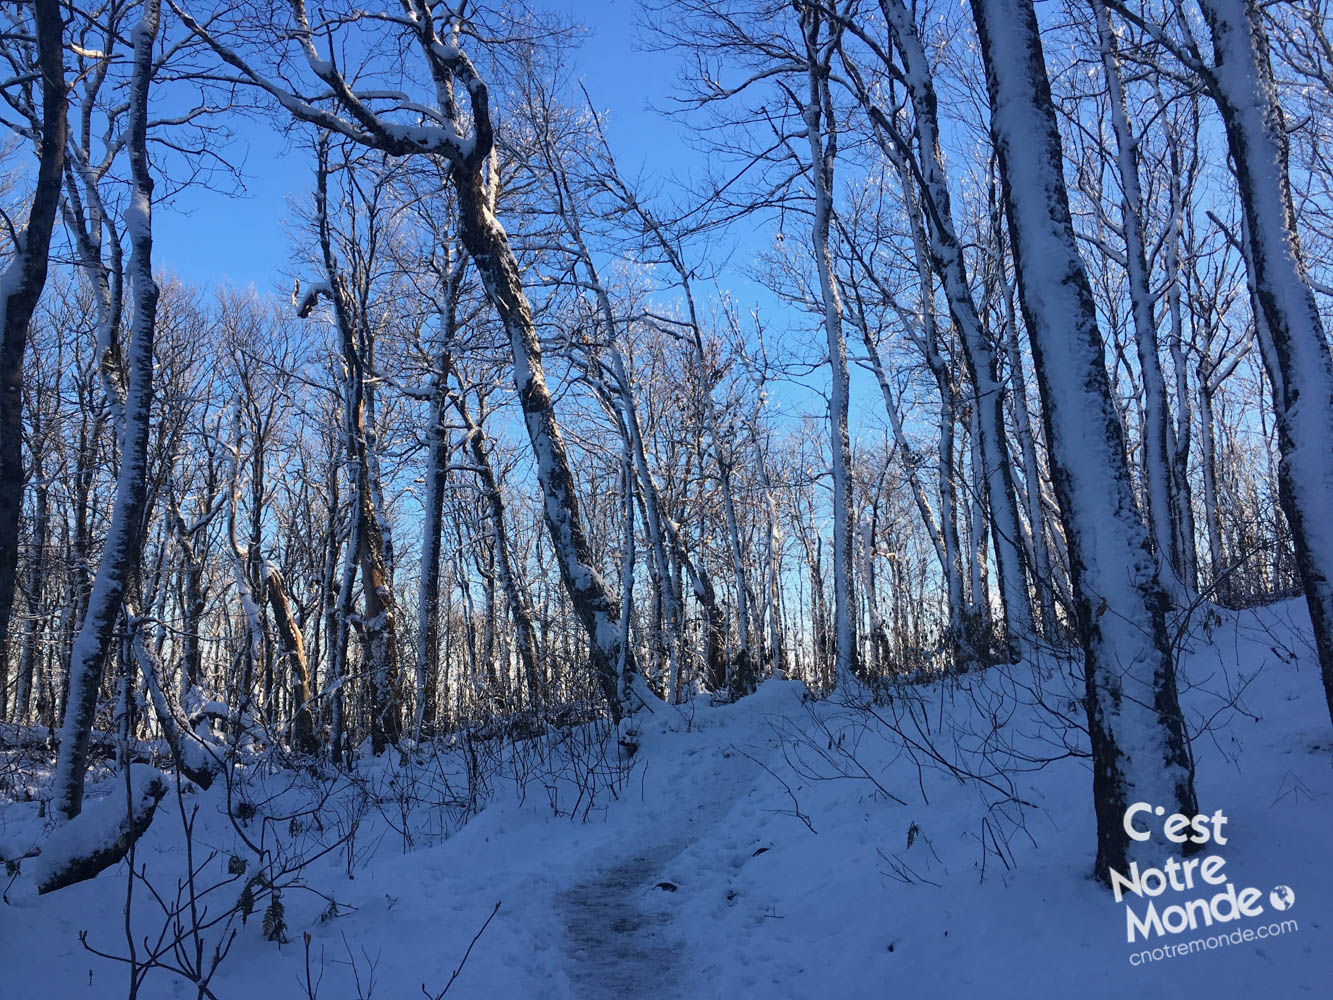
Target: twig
[(436, 996)]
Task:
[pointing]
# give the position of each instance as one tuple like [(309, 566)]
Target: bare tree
[(39, 70), (1134, 720), (446, 135), (120, 556)]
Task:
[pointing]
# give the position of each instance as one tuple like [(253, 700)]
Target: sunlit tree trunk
[(1134, 720), (120, 555), (21, 284), (1296, 349), (821, 129)]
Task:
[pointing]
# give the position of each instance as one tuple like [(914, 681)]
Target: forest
[(915, 417)]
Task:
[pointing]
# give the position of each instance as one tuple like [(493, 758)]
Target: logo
[(1189, 895), (1282, 897)]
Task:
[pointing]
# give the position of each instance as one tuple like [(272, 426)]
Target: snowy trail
[(770, 904), (617, 948), (617, 921)]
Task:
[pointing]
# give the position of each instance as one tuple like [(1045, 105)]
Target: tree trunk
[(596, 609), (120, 556), (291, 646), (1134, 720), (21, 286), (1294, 343), (821, 133), (195, 758)]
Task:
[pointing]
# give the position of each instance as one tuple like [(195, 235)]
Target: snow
[(305, 301), (795, 873), (448, 51), (1292, 338), (1111, 564), (99, 825)]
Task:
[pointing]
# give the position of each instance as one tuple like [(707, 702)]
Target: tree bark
[(291, 646), (821, 129), (596, 609), (1134, 720), (21, 286), (1292, 336), (120, 556)]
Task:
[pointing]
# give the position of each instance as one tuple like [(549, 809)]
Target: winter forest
[(675, 498)]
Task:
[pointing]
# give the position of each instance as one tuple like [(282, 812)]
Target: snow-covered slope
[(779, 847)]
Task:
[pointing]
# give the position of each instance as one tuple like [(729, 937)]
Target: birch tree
[(1241, 81), (467, 147), (121, 553), (1134, 721), (939, 244), (821, 37), (36, 91)]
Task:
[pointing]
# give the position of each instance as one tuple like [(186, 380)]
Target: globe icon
[(1282, 897)]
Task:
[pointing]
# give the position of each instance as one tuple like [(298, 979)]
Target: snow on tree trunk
[(596, 609), (291, 647), (103, 834), (946, 257), (1156, 454), (21, 285), (1292, 337), (120, 556), (1134, 720), (196, 757), (622, 391), (821, 134), (488, 245)]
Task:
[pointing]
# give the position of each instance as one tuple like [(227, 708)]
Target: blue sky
[(215, 237), (208, 237)]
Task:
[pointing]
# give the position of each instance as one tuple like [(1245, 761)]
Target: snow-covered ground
[(778, 847)]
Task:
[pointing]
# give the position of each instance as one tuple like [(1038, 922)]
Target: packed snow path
[(620, 943), (616, 948), (793, 879)]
